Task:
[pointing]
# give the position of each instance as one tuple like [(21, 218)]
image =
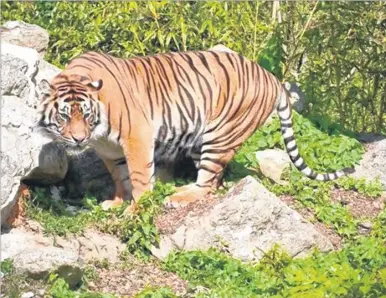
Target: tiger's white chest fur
[(107, 149)]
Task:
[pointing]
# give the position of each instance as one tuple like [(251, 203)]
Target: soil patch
[(359, 205), (168, 221), (128, 281)]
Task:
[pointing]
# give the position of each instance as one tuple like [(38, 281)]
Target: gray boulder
[(272, 163), (87, 174), (298, 98), (249, 220), (25, 155), (25, 35), (39, 255), (373, 162)]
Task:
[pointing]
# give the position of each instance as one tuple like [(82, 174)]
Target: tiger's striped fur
[(136, 112)]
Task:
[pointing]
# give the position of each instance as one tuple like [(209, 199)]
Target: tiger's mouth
[(75, 148)]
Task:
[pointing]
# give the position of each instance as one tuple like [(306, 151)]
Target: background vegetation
[(335, 50)]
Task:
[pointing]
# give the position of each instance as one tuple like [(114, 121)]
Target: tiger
[(139, 111)]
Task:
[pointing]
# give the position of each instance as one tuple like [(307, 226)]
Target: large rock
[(38, 255), (87, 174), (25, 155), (298, 98), (18, 68), (373, 162), (249, 220), (25, 35)]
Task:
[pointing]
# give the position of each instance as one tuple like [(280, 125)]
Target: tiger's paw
[(131, 209), (184, 196), (109, 204)]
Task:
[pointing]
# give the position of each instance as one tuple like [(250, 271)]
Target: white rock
[(25, 154), (38, 255), (250, 219), (26, 35), (18, 68), (272, 163), (28, 295), (298, 98)]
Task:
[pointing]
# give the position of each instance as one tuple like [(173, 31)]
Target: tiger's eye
[(91, 119)]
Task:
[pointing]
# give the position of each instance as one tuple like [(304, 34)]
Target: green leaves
[(338, 274)]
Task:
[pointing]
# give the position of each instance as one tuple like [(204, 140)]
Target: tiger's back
[(183, 96)]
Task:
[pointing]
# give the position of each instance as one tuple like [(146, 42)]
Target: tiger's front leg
[(118, 171), (139, 153)]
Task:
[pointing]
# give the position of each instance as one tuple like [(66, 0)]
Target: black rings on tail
[(284, 112)]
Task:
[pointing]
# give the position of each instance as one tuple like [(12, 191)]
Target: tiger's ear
[(45, 87), (95, 85)]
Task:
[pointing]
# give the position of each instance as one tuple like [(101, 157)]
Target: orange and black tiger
[(137, 112)]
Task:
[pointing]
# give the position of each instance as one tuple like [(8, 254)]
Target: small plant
[(6, 266)]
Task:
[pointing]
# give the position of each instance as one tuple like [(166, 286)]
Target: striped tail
[(284, 112)]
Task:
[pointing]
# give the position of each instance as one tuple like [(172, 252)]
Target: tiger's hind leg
[(211, 165)]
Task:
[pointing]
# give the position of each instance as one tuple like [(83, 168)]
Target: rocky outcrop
[(38, 255), (372, 164), (249, 220), (25, 35), (25, 154)]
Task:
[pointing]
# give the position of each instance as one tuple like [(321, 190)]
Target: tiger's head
[(70, 110)]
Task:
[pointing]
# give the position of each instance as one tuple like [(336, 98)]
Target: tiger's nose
[(78, 139)]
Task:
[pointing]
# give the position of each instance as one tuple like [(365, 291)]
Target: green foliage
[(10, 281), (137, 230), (356, 271), (6, 266)]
